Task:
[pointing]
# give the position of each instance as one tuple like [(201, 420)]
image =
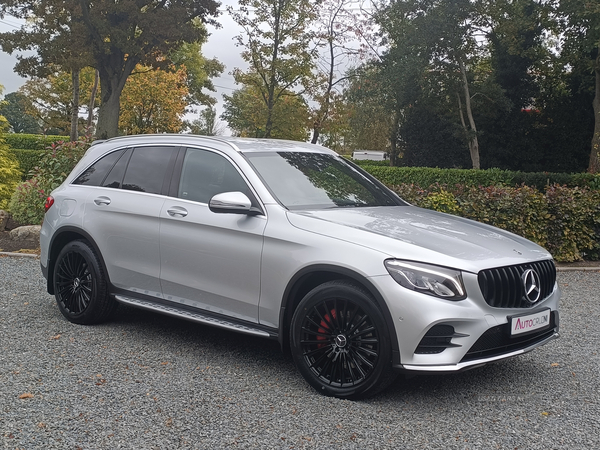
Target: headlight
[(426, 278)]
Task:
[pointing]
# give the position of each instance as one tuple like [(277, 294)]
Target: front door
[(210, 260)]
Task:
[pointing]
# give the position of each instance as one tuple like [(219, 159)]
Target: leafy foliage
[(199, 71), (31, 141), (9, 166), (49, 99), (14, 109), (276, 41), (247, 116), (28, 160), (113, 37), (10, 174), (27, 202), (574, 225), (153, 101), (427, 176), (564, 220), (207, 123)]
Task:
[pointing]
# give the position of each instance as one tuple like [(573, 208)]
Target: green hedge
[(564, 220), (28, 159), (427, 176), (31, 141)]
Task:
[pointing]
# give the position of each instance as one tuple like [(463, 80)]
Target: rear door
[(210, 261), (122, 214)]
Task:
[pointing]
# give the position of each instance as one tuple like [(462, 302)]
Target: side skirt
[(199, 317)]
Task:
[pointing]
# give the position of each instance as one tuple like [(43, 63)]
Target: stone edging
[(28, 255)]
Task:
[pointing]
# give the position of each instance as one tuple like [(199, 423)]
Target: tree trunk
[(594, 166), (108, 114), (75, 104), (112, 82), (316, 134), (92, 101), (473, 142), (394, 140)]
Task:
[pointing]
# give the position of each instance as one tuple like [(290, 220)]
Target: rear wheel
[(80, 286), (340, 341)]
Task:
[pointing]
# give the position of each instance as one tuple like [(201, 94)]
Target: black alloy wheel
[(80, 286), (340, 341)]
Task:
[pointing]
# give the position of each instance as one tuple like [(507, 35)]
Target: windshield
[(315, 181)]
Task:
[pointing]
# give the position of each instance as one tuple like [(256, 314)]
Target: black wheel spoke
[(339, 342), (73, 282)]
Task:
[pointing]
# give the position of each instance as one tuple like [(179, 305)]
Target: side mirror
[(232, 203)]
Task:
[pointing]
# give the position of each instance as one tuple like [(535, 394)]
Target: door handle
[(177, 211), (102, 201)]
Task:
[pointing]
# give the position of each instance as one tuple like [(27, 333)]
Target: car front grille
[(502, 287), (497, 340)]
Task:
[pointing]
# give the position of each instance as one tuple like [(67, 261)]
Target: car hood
[(417, 234)]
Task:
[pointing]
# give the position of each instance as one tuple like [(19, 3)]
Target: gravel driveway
[(146, 381)]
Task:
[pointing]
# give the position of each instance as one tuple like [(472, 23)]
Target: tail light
[(49, 203)]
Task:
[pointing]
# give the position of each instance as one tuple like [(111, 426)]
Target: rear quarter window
[(95, 174)]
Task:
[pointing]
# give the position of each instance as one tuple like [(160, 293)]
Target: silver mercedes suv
[(289, 241)]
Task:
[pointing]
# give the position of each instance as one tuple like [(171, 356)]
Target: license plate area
[(529, 323)]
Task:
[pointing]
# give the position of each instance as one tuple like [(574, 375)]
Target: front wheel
[(340, 341), (80, 286)]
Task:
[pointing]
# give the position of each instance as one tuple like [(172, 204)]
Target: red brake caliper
[(326, 327)]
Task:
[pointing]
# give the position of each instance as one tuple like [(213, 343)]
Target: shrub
[(27, 202), (31, 141), (427, 176), (522, 210), (10, 175), (564, 220), (442, 201), (28, 160), (58, 161), (573, 231)]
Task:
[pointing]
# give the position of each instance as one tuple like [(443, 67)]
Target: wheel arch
[(310, 277), (61, 238)]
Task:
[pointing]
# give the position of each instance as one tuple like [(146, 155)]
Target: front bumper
[(474, 363), (436, 335)]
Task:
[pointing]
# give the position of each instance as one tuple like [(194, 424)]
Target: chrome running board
[(195, 316)]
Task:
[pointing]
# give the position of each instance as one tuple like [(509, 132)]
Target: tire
[(80, 286), (340, 342)]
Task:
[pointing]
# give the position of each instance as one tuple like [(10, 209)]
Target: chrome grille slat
[(502, 286)]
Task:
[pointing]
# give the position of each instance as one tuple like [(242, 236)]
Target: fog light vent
[(438, 339)]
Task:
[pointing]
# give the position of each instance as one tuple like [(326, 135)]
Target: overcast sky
[(220, 45)]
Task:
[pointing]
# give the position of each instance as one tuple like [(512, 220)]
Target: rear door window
[(148, 168)]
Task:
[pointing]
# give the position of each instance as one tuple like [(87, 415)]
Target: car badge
[(531, 283)]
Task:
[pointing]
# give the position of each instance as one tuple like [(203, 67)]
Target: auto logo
[(531, 283)]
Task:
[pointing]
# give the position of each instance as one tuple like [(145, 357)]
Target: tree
[(371, 119), (207, 123), (14, 109), (199, 71), (153, 101), (49, 99), (56, 35), (582, 35), (247, 116), (337, 26), (115, 35), (9, 166), (277, 42)]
